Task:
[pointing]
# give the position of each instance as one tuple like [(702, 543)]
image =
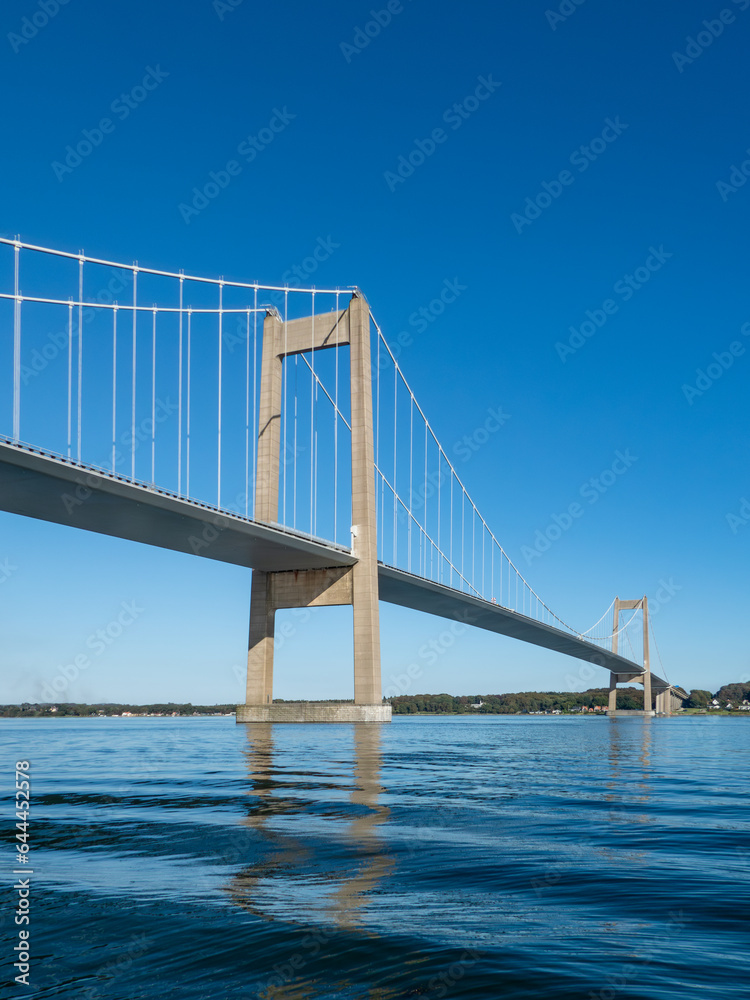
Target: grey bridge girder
[(44, 486), (50, 488)]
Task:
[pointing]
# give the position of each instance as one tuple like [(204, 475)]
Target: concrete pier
[(313, 711)]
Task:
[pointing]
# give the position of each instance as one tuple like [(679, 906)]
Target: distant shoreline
[(681, 714), (729, 700)]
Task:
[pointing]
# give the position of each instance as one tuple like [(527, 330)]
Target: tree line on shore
[(550, 701), (435, 704), (69, 708)]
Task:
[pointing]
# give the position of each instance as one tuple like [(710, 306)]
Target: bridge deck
[(409, 591), (48, 487)]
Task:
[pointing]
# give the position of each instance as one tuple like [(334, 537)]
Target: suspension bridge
[(272, 428)]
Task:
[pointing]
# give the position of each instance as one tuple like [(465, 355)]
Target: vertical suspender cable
[(424, 494), (377, 445), (17, 348), (463, 535), (411, 476), (312, 414), (255, 395), (221, 334), (132, 410), (70, 378), (294, 442), (484, 563), (395, 428), (440, 519), (247, 412), (473, 545), (114, 389), (187, 415), (284, 396), (153, 393), (336, 426), (80, 351), (450, 581), (179, 393)]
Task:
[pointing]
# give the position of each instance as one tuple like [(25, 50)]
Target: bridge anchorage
[(150, 419)]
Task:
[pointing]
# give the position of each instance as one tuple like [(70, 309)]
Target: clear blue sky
[(219, 74)]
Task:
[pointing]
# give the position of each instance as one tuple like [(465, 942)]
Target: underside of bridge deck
[(50, 488), (409, 591)]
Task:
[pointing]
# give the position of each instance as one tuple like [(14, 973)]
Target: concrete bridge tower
[(356, 585)]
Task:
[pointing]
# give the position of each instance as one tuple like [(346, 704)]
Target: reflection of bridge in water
[(331, 865), (266, 427), (341, 890), (315, 870)]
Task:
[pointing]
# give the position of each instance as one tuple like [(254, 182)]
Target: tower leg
[(260, 643), (648, 703), (612, 707), (367, 686)]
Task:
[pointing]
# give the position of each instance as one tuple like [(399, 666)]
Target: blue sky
[(636, 147)]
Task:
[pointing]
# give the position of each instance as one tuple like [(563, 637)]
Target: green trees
[(698, 698), (510, 704), (736, 693)]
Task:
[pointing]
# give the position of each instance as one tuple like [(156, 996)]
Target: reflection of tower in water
[(630, 766), (373, 863), (326, 873)]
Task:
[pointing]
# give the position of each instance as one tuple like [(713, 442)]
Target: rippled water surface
[(459, 857)]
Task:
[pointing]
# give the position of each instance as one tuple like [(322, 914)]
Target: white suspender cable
[(70, 378), (450, 582), (221, 334), (473, 546), (187, 415), (336, 428), (411, 477), (132, 411), (377, 449), (284, 398), (463, 531), (114, 391), (80, 351), (153, 394), (439, 478), (424, 493), (395, 427), (247, 412), (312, 416), (17, 348), (255, 396), (179, 393)]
